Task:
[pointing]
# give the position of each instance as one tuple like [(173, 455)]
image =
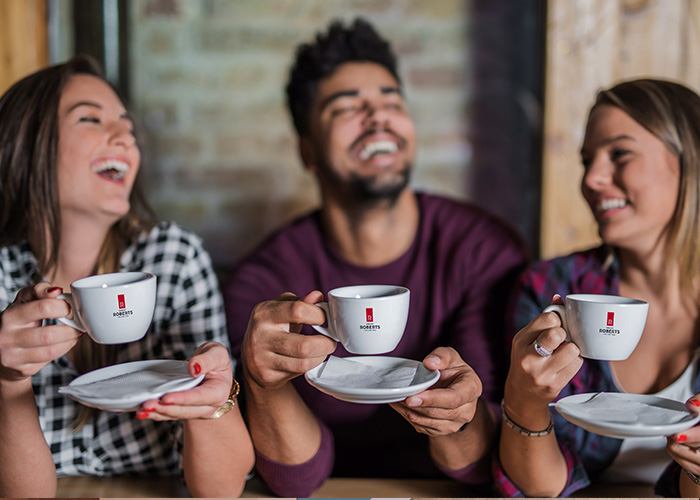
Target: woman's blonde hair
[(671, 112), (29, 209)]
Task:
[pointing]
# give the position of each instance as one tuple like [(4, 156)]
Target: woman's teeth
[(375, 148), (113, 169), (610, 204)]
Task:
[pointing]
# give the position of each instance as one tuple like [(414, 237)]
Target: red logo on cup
[(611, 319), (122, 301), (370, 315)]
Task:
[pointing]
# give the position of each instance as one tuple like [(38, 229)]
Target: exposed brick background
[(207, 81)]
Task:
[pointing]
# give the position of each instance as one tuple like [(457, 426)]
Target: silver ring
[(541, 350)]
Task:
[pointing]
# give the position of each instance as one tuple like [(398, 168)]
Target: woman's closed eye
[(618, 154), (89, 119)]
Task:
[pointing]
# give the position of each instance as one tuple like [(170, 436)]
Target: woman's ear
[(307, 153)]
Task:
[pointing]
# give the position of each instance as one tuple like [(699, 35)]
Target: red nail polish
[(695, 402), (54, 289), (141, 415), (197, 369), (681, 438), (149, 409)]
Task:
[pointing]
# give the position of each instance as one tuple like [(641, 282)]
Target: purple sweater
[(459, 269)]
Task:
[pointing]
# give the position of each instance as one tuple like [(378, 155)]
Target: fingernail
[(197, 369), (54, 289), (149, 409), (434, 359), (681, 438), (415, 402), (141, 415), (695, 402)]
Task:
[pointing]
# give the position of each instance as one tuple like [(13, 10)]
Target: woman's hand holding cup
[(25, 345), (536, 377)]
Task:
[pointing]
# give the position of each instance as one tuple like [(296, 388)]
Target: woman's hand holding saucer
[(684, 447), (25, 345), (210, 359)]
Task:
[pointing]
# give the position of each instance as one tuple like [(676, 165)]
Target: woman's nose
[(121, 134), (598, 174)]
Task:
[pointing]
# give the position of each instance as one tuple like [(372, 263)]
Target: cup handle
[(328, 332), (75, 323), (561, 311)]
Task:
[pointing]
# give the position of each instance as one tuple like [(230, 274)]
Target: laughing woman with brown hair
[(70, 208)]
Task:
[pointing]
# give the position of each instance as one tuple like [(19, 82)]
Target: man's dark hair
[(318, 60)]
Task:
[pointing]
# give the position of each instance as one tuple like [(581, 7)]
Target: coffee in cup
[(605, 327), (366, 319), (112, 308)]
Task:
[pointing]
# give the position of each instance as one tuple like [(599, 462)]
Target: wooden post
[(23, 39), (592, 44)]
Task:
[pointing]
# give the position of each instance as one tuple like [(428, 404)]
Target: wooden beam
[(23, 39), (592, 44)]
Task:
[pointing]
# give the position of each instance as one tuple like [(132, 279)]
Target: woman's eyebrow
[(610, 140), (84, 103)]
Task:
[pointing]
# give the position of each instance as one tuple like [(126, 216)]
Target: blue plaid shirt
[(587, 455)]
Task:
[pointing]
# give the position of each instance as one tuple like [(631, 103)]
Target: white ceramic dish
[(140, 394), (424, 378), (663, 416)]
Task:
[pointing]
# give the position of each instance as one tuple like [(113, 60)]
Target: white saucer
[(373, 395), (181, 381), (661, 416)]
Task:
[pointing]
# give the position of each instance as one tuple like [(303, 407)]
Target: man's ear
[(307, 153)]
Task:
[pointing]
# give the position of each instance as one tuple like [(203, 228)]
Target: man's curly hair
[(320, 59)]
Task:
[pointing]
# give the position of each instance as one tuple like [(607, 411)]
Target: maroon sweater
[(459, 269)]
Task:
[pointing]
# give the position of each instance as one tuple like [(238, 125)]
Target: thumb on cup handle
[(328, 332), (75, 322), (561, 311)]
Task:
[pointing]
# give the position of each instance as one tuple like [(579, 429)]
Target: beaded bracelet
[(694, 478), (523, 430)]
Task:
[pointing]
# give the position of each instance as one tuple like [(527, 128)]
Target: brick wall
[(207, 80)]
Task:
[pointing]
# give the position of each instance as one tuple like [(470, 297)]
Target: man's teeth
[(611, 204), (380, 147), (114, 169)]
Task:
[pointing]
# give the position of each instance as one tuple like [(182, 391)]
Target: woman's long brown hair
[(29, 209)]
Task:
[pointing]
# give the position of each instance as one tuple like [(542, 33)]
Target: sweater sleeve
[(299, 480), (668, 484)]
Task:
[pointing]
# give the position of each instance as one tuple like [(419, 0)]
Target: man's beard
[(371, 189)]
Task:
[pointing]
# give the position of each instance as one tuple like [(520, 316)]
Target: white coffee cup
[(605, 327), (366, 319), (112, 308)]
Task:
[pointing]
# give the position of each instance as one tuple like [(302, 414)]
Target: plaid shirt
[(189, 311), (586, 454)]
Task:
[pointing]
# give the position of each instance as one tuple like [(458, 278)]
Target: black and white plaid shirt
[(189, 311)]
